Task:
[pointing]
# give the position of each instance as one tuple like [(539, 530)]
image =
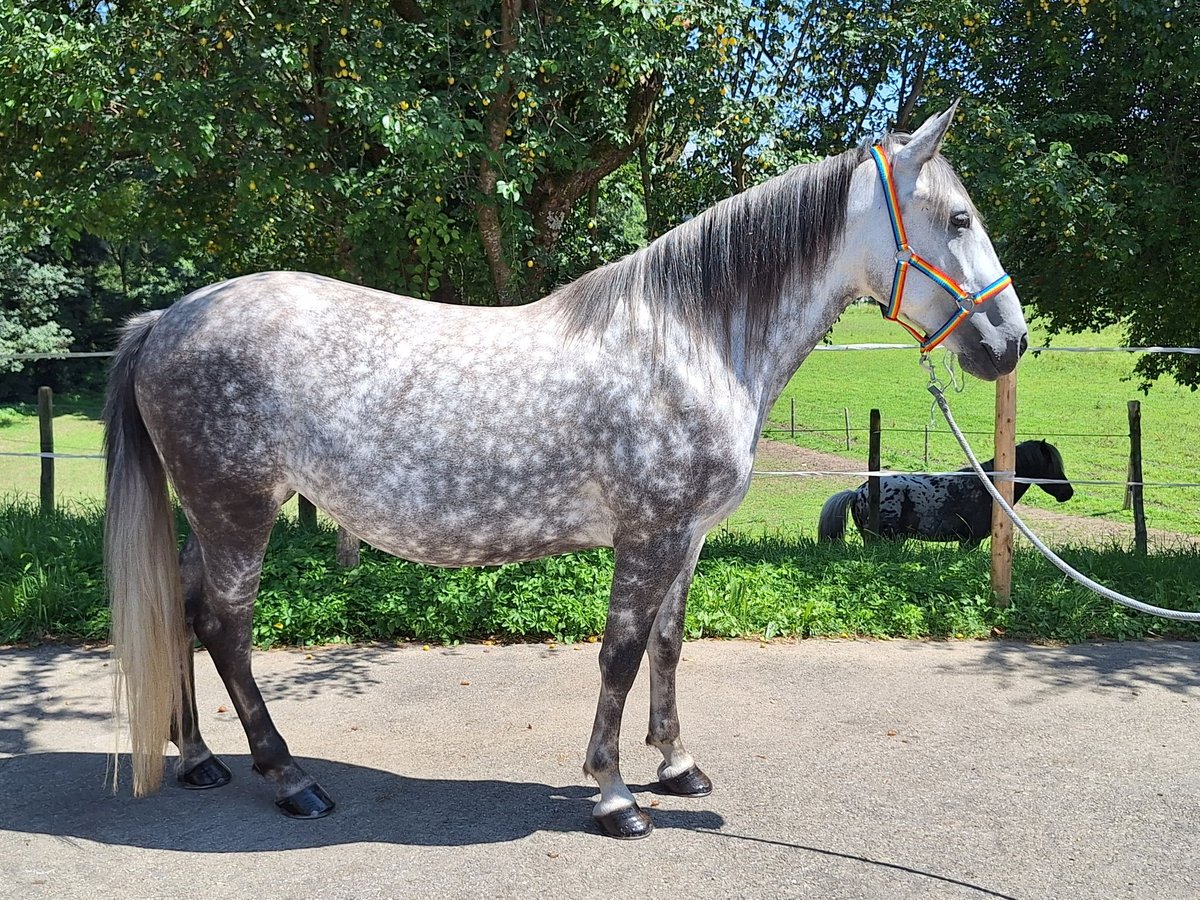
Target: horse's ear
[(926, 141)]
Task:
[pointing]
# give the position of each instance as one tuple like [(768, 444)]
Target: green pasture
[(1077, 401), (76, 430)]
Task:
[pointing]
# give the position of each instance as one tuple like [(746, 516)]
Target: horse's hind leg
[(678, 772), (223, 619), (198, 768), (645, 573)]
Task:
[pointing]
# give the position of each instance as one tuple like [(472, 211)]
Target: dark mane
[(731, 261)]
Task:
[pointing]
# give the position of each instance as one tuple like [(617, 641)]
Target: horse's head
[(1041, 459), (929, 260)]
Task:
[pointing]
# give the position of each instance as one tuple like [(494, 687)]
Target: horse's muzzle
[(1013, 351), (985, 363)]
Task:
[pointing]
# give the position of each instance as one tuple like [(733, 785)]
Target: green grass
[(76, 430), (769, 585)]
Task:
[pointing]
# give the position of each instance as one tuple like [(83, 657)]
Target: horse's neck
[(1019, 488), (802, 318)]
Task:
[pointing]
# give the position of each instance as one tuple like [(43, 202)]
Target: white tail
[(149, 634)]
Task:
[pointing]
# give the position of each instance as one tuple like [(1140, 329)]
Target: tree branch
[(906, 108), (409, 11), (557, 192)]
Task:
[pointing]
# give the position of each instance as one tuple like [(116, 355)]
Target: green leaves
[(294, 138), (770, 586), (508, 191), (147, 126), (1077, 145)]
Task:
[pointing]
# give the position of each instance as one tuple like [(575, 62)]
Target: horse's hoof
[(208, 773), (308, 803), (627, 823), (689, 783)]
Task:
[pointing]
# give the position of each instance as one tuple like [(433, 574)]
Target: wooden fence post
[(1135, 487), (347, 549), (846, 413), (46, 433), (1006, 461), (306, 512), (873, 480), (793, 418)]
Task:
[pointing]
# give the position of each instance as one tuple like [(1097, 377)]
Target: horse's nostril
[(1023, 345)]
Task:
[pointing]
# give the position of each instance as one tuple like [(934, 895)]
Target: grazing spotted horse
[(942, 507), (622, 410)]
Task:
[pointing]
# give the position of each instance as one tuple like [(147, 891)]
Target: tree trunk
[(556, 193), (487, 207)]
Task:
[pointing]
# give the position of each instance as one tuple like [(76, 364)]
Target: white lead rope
[(1100, 589)]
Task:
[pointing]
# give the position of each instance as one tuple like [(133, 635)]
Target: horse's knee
[(666, 646), (619, 662)]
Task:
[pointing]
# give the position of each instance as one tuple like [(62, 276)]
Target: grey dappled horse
[(620, 411), (942, 507)]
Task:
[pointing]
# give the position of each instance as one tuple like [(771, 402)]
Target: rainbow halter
[(906, 256)]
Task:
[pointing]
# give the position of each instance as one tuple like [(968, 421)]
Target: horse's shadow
[(64, 794)]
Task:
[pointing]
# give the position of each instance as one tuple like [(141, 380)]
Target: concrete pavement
[(842, 769)]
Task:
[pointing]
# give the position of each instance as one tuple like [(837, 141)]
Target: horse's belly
[(481, 548), (484, 534)]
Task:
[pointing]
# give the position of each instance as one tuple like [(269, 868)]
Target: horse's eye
[(961, 220)]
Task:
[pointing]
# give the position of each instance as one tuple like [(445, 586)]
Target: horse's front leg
[(646, 571), (678, 772)]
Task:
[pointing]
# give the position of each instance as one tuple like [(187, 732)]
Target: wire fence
[(49, 454)]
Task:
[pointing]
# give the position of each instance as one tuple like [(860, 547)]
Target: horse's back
[(254, 312)]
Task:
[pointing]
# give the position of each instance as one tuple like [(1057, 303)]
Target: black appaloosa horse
[(942, 507)]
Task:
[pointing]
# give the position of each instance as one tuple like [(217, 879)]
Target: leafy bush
[(767, 585)]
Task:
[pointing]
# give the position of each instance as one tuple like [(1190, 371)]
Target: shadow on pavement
[(32, 697), (63, 794), (1127, 668), (854, 857)]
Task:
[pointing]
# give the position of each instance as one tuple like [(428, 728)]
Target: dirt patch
[(784, 457), (1052, 527)]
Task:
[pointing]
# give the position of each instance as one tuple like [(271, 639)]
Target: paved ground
[(842, 769)]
